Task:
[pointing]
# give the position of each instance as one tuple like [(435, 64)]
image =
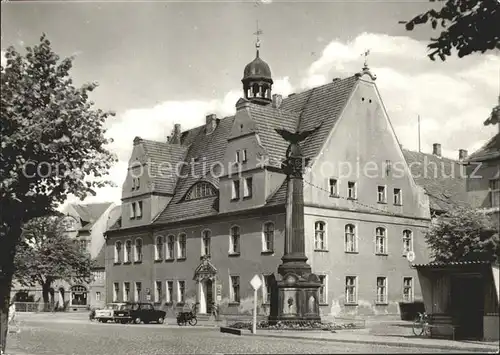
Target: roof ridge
[(432, 155)]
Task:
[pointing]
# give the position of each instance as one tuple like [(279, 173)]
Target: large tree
[(46, 254), (469, 26), (463, 234), (52, 141)]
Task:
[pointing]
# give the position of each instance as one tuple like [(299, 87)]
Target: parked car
[(139, 313), (108, 313)]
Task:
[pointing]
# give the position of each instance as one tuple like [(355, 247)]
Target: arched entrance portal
[(205, 276), (78, 296)]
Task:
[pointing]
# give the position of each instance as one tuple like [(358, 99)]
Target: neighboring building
[(86, 225), (483, 178), (201, 235), (463, 297)]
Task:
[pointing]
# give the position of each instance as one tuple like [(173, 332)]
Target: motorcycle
[(183, 318)]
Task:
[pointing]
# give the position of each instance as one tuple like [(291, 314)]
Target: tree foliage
[(463, 234), (468, 26), (52, 140), (46, 254)]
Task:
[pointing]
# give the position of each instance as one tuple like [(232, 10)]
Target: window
[(126, 291), (267, 289), (159, 248), (170, 247), (408, 289), (118, 249), (97, 296), (235, 289), (407, 241), (351, 190), (350, 239), (319, 235), (138, 291), (139, 209), (201, 190), (181, 289), (244, 155), (381, 289), (350, 289), (181, 241), (138, 250), (132, 210), (381, 194), (380, 241), (398, 200), (116, 291), (322, 290), (136, 183), (170, 291), (158, 295), (235, 193), (495, 193), (268, 242), (334, 192), (205, 243), (237, 157), (247, 187), (234, 240), (128, 251)]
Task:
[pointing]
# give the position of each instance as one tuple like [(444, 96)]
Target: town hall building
[(205, 210)]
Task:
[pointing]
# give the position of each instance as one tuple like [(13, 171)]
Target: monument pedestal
[(297, 298)]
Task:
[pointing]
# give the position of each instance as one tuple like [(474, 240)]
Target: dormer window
[(201, 190)]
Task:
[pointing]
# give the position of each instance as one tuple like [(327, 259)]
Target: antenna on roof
[(419, 150)]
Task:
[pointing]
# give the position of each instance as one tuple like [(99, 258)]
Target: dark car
[(139, 313)]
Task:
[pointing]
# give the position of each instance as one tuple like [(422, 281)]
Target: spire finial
[(257, 41), (366, 53)]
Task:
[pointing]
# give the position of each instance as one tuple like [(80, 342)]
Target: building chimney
[(277, 100), (436, 149), (210, 123), (175, 138), (462, 154)]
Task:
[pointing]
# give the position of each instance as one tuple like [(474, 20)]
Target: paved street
[(53, 335)]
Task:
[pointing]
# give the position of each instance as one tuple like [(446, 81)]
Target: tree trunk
[(9, 238), (5, 288), (45, 296)]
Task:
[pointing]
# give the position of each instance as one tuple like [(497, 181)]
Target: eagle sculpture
[(295, 138)]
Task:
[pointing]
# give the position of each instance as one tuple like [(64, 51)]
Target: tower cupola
[(257, 80)]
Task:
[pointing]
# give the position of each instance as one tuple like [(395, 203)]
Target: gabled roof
[(321, 105), (445, 185), (490, 151), (92, 211), (160, 153)]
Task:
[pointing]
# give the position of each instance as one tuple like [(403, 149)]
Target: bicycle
[(421, 325)]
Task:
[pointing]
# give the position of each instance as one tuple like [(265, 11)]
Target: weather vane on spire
[(366, 53), (257, 33)]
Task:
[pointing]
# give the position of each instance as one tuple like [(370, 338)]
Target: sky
[(159, 63)]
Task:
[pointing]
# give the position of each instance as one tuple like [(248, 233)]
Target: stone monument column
[(295, 296)]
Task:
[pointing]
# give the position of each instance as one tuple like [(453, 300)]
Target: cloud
[(452, 98)]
